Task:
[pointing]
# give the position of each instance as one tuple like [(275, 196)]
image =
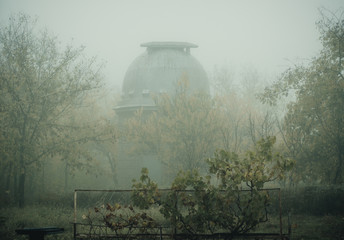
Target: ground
[(303, 226)]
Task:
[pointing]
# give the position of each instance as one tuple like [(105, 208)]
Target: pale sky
[(266, 34)]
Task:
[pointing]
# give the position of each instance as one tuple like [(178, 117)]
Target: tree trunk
[(339, 170), (66, 178), (22, 176), (8, 179), (21, 188), (7, 183), (43, 178), (111, 160), (15, 186)]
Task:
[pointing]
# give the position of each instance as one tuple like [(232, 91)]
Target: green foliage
[(187, 127), (255, 169), (181, 133), (225, 206), (42, 90), (313, 128), (145, 192), (122, 219), (237, 204)]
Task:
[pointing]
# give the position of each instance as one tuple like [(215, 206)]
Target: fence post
[(289, 225), (175, 217), (160, 233), (280, 211), (74, 224)]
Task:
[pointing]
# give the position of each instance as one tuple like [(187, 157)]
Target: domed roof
[(158, 70)]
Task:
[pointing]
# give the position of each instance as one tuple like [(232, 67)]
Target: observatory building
[(156, 71)]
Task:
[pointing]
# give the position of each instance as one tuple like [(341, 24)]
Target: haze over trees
[(42, 90), (182, 132), (309, 128), (189, 127), (313, 127), (48, 114)]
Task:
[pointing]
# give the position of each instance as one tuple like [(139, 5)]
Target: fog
[(264, 149), (268, 35)]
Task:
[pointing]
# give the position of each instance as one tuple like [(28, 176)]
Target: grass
[(304, 227), (307, 227), (318, 227), (35, 216)]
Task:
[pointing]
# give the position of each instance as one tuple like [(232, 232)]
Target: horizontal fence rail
[(88, 201)]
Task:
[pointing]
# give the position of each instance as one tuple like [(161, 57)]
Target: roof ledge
[(169, 45)]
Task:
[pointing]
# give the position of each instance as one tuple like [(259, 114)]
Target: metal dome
[(158, 70)]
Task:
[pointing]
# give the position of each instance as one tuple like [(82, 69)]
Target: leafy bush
[(196, 205)]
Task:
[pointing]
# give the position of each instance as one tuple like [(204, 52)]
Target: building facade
[(156, 71)]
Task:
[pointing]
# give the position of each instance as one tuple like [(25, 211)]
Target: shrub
[(195, 205)]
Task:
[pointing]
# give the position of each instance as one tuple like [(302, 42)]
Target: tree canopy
[(313, 128), (182, 131), (41, 86)]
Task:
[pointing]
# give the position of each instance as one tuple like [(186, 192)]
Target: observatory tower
[(157, 71)]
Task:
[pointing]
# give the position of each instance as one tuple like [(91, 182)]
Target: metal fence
[(90, 210)]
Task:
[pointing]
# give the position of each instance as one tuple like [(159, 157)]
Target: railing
[(92, 230)]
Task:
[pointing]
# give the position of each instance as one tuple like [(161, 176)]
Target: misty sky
[(269, 35)]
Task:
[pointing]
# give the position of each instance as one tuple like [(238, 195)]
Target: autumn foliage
[(230, 198)]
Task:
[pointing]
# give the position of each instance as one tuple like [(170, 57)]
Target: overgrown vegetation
[(43, 95), (313, 127), (48, 120), (305, 225), (229, 199)]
